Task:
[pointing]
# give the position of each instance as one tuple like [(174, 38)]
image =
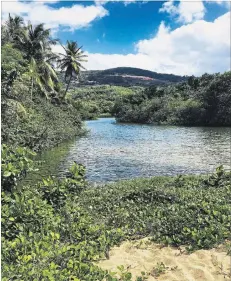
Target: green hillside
[(127, 76)]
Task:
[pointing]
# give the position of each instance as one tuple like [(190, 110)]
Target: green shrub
[(46, 235), (16, 163), (203, 101), (191, 211), (45, 125), (95, 101)]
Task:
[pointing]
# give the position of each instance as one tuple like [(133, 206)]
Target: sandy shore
[(143, 255)]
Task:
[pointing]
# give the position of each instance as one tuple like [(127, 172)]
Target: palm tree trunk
[(67, 87), (32, 87)]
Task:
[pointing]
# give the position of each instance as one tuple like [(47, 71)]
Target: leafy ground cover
[(58, 229), (46, 234), (186, 210)]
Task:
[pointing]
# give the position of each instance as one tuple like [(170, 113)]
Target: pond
[(112, 151)]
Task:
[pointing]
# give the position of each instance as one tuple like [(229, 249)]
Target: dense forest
[(58, 229), (203, 101), (98, 101), (34, 111)]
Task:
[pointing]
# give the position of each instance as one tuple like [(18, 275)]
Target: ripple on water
[(114, 151)]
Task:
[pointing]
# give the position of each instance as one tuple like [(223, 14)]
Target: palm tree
[(70, 62), (13, 27), (35, 43), (48, 76), (43, 75)]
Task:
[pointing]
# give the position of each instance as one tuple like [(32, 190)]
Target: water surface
[(113, 151)]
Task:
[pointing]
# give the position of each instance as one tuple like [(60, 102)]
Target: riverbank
[(182, 210), (42, 125), (61, 229)]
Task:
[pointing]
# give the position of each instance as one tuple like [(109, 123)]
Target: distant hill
[(143, 73), (127, 76)]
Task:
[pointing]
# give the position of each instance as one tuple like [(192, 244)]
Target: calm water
[(113, 151)]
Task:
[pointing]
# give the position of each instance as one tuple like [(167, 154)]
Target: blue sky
[(164, 36), (117, 32)]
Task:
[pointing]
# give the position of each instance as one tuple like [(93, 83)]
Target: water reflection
[(114, 151)]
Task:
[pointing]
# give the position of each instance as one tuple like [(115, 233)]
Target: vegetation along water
[(58, 225)]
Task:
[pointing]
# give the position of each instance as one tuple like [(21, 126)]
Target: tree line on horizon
[(200, 101)]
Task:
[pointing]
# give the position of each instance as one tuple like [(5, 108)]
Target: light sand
[(143, 255)]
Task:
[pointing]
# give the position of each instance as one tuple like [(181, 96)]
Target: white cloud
[(185, 11), (169, 8), (126, 2), (194, 48), (74, 17), (191, 11), (104, 61), (58, 49)]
